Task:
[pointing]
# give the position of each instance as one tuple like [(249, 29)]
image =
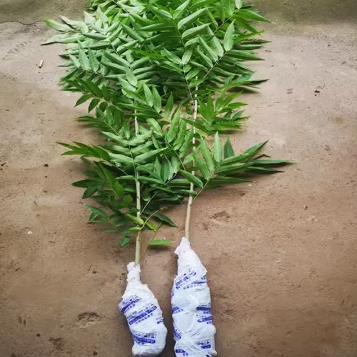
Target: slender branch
[(151, 215), (223, 23), (152, 239), (138, 248), (199, 192), (190, 199), (148, 202), (138, 255), (214, 65), (138, 204)]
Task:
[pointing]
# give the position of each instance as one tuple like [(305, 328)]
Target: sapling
[(162, 79), (139, 304)]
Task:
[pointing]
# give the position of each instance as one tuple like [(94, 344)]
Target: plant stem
[(190, 199), (138, 204), (138, 248)]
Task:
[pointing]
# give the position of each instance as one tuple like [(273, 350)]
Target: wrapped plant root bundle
[(144, 316), (191, 306)]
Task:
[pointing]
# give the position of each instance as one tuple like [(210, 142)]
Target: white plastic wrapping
[(191, 306), (144, 316)]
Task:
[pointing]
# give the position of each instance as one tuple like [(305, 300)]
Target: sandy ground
[(281, 253)]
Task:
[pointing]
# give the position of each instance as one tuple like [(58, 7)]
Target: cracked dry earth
[(281, 252)]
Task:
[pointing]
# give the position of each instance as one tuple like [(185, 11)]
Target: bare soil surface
[(281, 252)]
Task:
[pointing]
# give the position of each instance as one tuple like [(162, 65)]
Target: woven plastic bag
[(143, 315), (191, 306)]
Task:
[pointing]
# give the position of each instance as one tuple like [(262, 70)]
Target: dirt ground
[(281, 252)]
